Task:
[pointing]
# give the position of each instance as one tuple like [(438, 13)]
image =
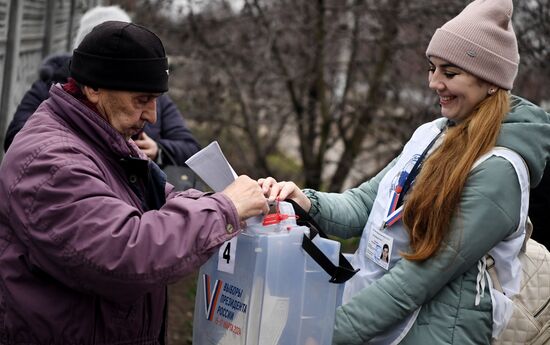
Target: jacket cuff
[(312, 196), (230, 213)]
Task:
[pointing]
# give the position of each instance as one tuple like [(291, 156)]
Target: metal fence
[(30, 30)]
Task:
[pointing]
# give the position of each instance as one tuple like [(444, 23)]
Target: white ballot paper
[(212, 167)]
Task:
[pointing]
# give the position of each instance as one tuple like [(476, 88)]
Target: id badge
[(379, 248)]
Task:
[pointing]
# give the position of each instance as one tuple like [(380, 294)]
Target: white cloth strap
[(505, 253)]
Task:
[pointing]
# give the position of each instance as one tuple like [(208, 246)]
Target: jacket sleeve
[(345, 214), (175, 137), (489, 211), (29, 103), (88, 238)]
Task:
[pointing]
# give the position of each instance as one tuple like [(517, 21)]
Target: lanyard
[(405, 181)]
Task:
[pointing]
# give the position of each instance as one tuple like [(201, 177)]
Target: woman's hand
[(284, 190), (247, 196)]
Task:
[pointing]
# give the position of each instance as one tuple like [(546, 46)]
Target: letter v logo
[(211, 296)]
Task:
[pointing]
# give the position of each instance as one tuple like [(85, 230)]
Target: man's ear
[(91, 93)]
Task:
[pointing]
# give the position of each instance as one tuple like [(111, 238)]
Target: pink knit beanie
[(480, 40)]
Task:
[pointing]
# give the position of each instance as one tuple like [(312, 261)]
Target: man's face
[(126, 111)]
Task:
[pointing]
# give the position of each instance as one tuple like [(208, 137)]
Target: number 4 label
[(226, 256)]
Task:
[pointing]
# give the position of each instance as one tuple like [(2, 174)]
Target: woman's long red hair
[(435, 198)]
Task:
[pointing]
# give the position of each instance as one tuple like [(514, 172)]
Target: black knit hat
[(121, 56)]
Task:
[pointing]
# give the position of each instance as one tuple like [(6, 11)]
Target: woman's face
[(459, 91), (385, 252)]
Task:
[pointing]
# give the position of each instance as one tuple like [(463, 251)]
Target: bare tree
[(326, 77), (532, 26), (324, 92)]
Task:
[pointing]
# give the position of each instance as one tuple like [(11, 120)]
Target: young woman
[(457, 191)]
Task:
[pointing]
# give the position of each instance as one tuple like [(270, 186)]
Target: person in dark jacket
[(539, 209), (168, 141), (90, 232)]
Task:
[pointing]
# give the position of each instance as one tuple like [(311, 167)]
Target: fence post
[(48, 26), (70, 33), (10, 65)]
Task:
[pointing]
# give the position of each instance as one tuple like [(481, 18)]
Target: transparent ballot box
[(264, 288)]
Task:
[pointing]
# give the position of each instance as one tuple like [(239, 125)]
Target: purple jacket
[(81, 261)]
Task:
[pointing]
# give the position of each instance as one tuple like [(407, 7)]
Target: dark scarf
[(72, 89)]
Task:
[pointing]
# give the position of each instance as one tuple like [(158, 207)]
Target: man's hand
[(147, 145), (247, 196)]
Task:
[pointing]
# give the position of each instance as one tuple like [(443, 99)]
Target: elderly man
[(168, 141), (90, 233)]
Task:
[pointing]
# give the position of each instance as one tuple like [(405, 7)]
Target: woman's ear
[(492, 89)]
